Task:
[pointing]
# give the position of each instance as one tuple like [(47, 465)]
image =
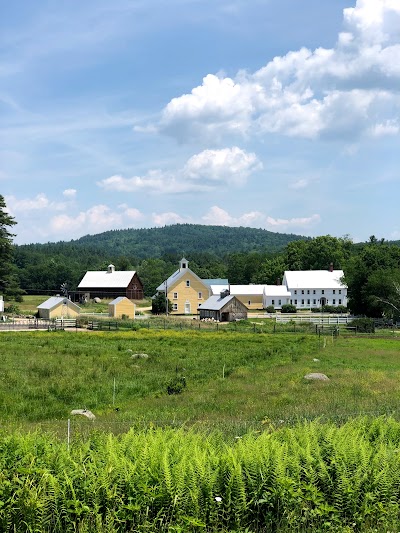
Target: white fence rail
[(313, 319)]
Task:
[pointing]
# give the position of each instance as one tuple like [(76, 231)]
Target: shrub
[(176, 385), (12, 309), (363, 325), (270, 309), (288, 308)]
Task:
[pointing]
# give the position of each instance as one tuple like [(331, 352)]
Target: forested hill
[(175, 239)]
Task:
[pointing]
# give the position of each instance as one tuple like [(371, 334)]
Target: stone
[(317, 376)]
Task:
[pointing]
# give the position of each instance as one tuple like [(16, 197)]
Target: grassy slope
[(45, 375)]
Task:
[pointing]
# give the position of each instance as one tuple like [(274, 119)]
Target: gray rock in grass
[(83, 412), (316, 376)]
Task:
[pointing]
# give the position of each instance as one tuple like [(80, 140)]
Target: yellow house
[(185, 290), (58, 307), (121, 306)]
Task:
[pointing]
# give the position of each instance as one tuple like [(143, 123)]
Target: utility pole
[(166, 298)]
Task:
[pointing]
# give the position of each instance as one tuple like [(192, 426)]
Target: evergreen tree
[(8, 283)]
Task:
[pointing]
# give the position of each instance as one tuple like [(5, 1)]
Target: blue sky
[(281, 115)]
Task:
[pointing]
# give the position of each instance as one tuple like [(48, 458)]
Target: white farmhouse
[(315, 288)]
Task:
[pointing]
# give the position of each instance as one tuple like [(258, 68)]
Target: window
[(308, 302), (291, 301), (295, 302), (334, 301), (249, 302), (272, 302), (175, 295), (279, 302), (200, 295), (340, 291), (302, 302), (334, 291), (188, 283), (322, 292), (295, 292), (340, 302), (308, 292), (313, 291), (302, 292), (175, 307), (314, 302)]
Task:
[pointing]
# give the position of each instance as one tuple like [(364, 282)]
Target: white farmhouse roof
[(259, 290), (54, 301), (278, 291), (106, 279), (217, 289), (314, 279)]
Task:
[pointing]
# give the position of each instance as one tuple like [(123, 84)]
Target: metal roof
[(314, 279), (175, 277), (106, 280), (54, 301), (216, 303), (118, 300)]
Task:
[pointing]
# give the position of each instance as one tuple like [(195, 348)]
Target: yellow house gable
[(187, 293)]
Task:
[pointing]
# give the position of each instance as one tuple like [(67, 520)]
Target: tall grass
[(235, 381), (312, 477)]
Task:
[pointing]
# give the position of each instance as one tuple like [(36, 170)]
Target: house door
[(187, 308), (323, 301)]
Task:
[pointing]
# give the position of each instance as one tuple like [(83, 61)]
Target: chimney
[(225, 293), (331, 267), (278, 281), (110, 269)]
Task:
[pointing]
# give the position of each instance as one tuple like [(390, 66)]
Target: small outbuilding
[(121, 307), (58, 307), (224, 307)]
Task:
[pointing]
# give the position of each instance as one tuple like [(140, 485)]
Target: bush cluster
[(330, 309)]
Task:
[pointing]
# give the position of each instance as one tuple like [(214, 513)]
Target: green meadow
[(235, 381), (247, 444)]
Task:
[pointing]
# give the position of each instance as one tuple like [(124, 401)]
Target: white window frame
[(200, 296), (175, 296), (174, 307), (188, 283)]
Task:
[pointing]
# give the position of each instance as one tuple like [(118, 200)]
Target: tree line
[(242, 255)]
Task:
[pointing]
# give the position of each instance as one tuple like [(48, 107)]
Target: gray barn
[(223, 308)]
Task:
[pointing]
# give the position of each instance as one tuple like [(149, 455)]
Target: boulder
[(317, 376)]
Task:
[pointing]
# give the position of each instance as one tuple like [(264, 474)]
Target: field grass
[(234, 381), (248, 445)]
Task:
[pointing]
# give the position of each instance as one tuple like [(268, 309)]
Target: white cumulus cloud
[(69, 193), (347, 90), (201, 173)]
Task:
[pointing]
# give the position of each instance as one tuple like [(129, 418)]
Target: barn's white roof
[(259, 290), (217, 289), (313, 279), (106, 280), (54, 301), (276, 291)]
